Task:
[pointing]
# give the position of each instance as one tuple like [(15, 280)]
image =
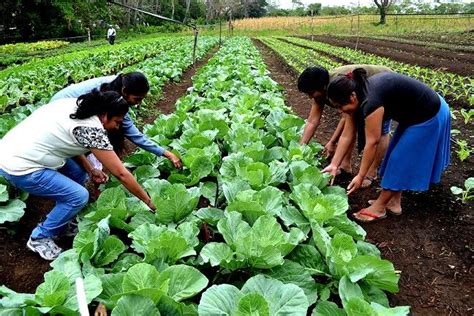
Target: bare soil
[(21, 269), (447, 60), (431, 243)]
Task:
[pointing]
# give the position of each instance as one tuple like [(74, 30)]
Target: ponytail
[(132, 83), (95, 103), (341, 88)]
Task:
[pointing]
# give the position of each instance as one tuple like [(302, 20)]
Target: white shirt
[(111, 32), (48, 137)]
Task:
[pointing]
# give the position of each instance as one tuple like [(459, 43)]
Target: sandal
[(389, 210), (370, 181), (375, 217)]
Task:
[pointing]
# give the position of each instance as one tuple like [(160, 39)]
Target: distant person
[(44, 155), (133, 87), (111, 33), (420, 148), (314, 81)]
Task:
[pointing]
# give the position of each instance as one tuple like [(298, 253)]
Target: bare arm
[(98, 176), (337, 133), (312, 122), (110, 160), (347, 137), (373, 132), (330, 147), (345, 141)]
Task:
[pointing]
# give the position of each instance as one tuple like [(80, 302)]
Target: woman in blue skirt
[(419, 150)]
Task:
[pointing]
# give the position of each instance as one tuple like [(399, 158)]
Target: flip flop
[(375, 217), (389, 210)]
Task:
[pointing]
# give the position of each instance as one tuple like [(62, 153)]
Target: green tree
[(315, 8), (383, 6)]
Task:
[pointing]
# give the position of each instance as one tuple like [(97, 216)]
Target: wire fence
[(361, 23)]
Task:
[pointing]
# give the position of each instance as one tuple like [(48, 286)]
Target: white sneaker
[(45, 247)]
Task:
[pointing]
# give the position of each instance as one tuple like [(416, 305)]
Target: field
[(250, 225)]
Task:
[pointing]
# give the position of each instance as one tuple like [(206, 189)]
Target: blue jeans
[(65, 186)]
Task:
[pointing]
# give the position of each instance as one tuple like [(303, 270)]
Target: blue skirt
[(417, 155)]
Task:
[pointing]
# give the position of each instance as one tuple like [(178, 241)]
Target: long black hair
[(132, 83), (96, 103), (341, 88), (313, 79)]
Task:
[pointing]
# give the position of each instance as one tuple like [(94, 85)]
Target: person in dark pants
[(111, 33), (418, 152)]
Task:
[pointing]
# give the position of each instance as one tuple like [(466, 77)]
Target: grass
[(351, 24)]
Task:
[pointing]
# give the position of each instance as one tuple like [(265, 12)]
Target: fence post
[(220, 32), (312, 25), (352, 23), (396, 23), (195, 45)]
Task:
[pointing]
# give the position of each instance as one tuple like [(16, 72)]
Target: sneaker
[(45, 247)]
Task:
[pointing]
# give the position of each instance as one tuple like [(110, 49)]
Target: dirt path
[(455, 62), (431, 243), (22, 270)]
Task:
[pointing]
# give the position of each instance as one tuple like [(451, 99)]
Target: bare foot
[(392, 207)]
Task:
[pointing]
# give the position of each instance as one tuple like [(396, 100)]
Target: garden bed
[(431, 243)]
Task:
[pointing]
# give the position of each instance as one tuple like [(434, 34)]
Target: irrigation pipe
[(81, 297)]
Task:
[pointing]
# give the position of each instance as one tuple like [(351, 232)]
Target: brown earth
[(463, 38), (22, 270), (431, 243), (455, 62)]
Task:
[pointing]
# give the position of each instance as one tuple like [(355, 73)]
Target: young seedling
[(464, 150), (465, 193)]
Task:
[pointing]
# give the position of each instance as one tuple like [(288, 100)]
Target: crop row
[(276, 238), (431, 44), (448, 84), (169, 65), (37, 81), (31, 47), (297, 57)]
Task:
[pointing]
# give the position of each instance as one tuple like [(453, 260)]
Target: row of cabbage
[(274, 239), (36, 82), (447, 84), (24, 48), (455, 86), (167, 65)]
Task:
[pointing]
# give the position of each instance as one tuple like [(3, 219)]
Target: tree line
[(25, 20)]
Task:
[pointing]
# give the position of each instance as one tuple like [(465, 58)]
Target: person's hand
[(174, 159), (355, 184), (101, 310), (332, 170), (98, 176), (151, 206), (329, 149)]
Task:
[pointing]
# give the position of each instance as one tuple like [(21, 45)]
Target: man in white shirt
[(111, 33)]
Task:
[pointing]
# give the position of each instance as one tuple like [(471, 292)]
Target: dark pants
[(111, 40)]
